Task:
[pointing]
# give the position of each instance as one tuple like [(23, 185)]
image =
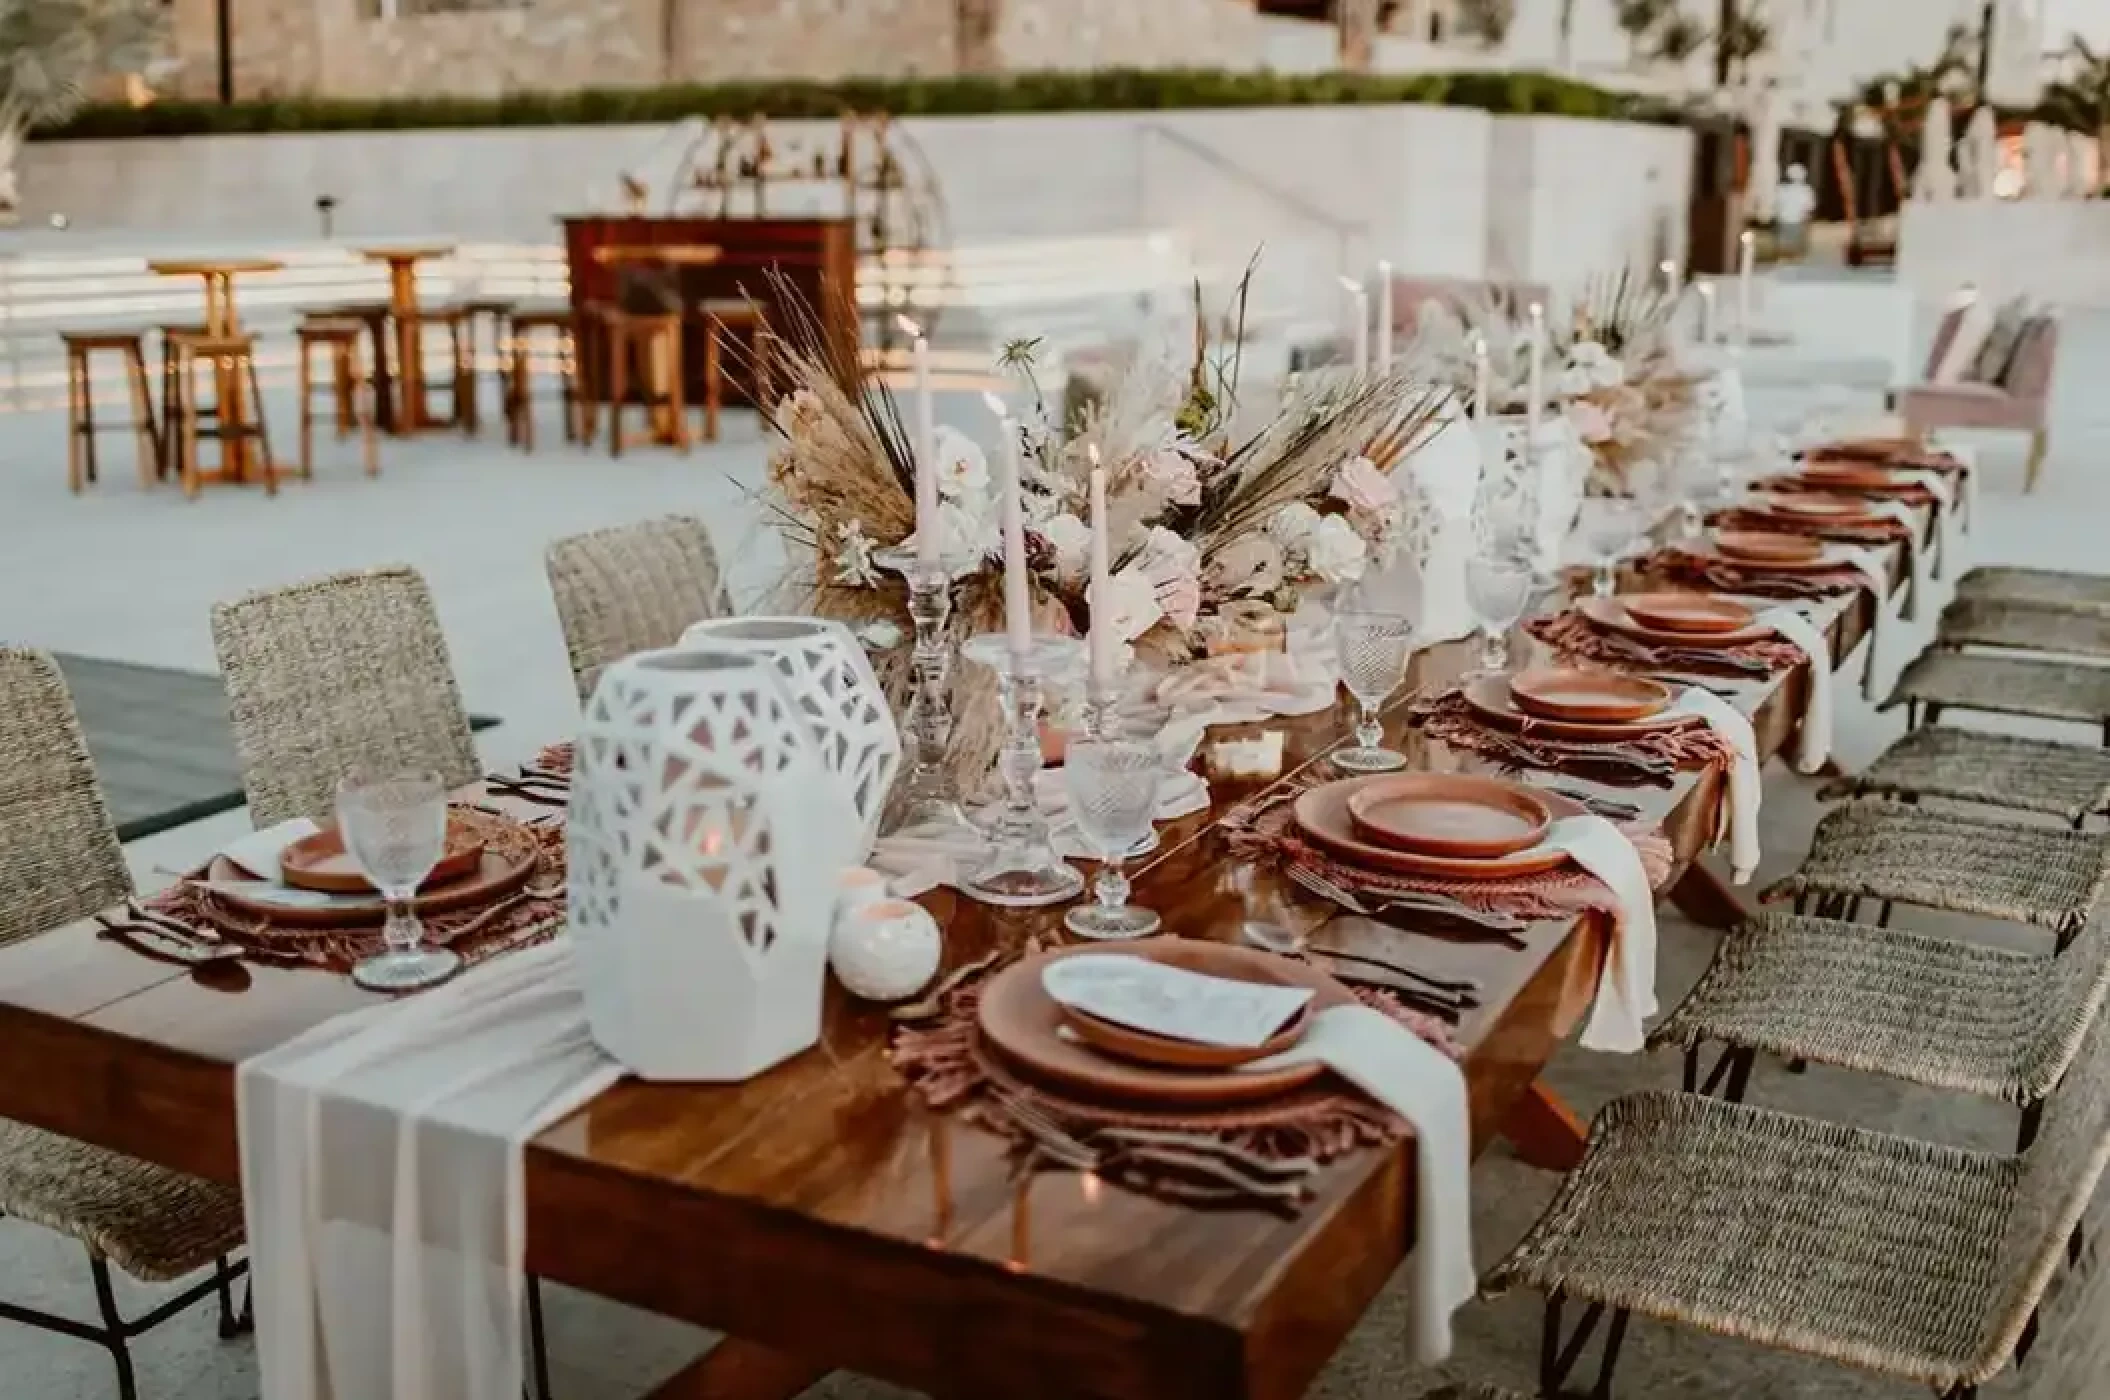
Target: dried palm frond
[(1626, 312)]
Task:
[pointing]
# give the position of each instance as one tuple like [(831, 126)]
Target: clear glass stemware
[(1611, 526), (1373, 648), (1113, 786), (1498, 586), (395, 830)]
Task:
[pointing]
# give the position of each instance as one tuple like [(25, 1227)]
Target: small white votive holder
[(886, 950)]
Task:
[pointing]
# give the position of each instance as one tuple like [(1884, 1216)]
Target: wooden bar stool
[(81, 346), (352, 392), (475, 311), (461, 385), (654, 341), (523, 324), (232, 361), (721, 321)]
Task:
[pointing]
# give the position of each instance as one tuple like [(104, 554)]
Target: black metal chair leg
[(223, 1285), (538, 1345), (114, 1328), (1615, 1336)]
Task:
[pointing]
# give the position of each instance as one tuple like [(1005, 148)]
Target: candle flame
[(1091, 454), (1707, 289), (1384, 269), (1667, 265), (1538, 311), (1480, 346), (1349, 284), (1747, 238), (908, 327)]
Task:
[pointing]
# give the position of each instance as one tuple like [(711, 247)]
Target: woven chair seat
[(2023, 626), (1872, 1250), (1874, 849), (2007, 685), (1932, 1011), (2051, 588), (2068, 781), (1474, 1390), (154, 1224)]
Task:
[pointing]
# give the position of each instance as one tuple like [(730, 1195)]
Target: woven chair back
[(338, 673), (59, 856), (632, 588)]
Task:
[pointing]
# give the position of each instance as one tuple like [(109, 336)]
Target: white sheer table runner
[(382, 1182)]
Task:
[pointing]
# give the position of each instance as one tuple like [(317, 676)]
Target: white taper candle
[(927, 528), (1018, 615), (1384, 318), (1102, 632)]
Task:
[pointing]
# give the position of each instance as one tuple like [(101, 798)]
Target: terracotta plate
[(1868, 449), (508, 857), (319, 862), (1761, 547), (1171, 1053), (1838, 474), (1493, 700), (1587, 697), (1687, 612), (1449, 814), (1023, 1025), (1322, 814), (1817, 506), (1611, 613)]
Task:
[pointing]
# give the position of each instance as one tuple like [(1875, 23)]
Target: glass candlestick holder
[(931, 803), (1022, 869)]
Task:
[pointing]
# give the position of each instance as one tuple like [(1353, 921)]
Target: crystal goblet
[(1113, 787), (1373, 649), (395, 830)]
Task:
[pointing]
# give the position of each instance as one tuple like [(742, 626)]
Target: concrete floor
[(129, 574)]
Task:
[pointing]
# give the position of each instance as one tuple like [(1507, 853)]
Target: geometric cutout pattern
[(833, 684), (696, 771)]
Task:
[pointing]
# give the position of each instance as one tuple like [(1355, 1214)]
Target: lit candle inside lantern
[(1360, 301), (1018, 617), (926, 445), (1483, 382), (1102, 632), (1535, 401), (1384, 318), (1707, 312), (1747, 260)]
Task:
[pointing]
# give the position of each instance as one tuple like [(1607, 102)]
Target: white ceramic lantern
[(833, 684), (704, 842), (1552, 476), (1430, 581)]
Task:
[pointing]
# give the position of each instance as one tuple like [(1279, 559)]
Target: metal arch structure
[(868, 170)]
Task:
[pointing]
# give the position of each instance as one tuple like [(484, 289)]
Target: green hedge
[(1104, 90)]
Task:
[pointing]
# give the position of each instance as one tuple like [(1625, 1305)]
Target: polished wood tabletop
[(820, 1214)]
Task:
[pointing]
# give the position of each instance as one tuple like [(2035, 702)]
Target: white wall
[(2053, 250), (1327, 190)]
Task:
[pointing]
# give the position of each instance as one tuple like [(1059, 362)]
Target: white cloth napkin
[(1740, 812), (1937, 484), (1626, 988), (1967, 456), (258, 852), (1813, 745), (1247, 689), (382, 1182), (1424, 1086), (1873, 563), (1915, 557)]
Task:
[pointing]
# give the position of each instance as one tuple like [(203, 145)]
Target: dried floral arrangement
[(1610, 367), (1200, 510)]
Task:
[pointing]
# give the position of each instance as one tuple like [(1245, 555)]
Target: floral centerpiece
[(1202, 510)]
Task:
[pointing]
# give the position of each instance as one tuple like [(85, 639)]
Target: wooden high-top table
[(410, 415), (826, 1219), (222, 320)]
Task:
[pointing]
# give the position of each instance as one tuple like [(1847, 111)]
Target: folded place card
[(1171, 1001)]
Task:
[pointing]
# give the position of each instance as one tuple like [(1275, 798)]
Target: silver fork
[(1376, 906)]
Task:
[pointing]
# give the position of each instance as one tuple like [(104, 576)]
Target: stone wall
[(343, 48)]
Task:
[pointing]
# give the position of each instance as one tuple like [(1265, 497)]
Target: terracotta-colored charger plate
[(1146, 1048), (1763, 547), (1687, 612), (1322, 814), (1493, 698), (1867, 449), (1587, 697), (320, 862), (1611, 614), (1817, 506), (1023, 1025), (1462, 815), (1841, 474), (507, 859)]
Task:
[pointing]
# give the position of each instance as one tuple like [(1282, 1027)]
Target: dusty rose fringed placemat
[(1674, 565), (1266, 830), (1879, 531), (1654, 756), (530, 915), (952, 1067), (1573, 635)]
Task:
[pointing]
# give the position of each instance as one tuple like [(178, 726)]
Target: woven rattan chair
[(1932, 1011), (632, 588), (60, 861), (1939, 679), (1915, 1261), (2045, 588), (1903, 854), (2023, 626), (2067, 781), (1471, 1390), (334, 674)]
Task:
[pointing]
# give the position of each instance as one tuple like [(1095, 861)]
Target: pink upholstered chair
[(2021, 401)]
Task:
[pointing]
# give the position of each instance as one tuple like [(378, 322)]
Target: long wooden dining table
[(825, 1218)]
